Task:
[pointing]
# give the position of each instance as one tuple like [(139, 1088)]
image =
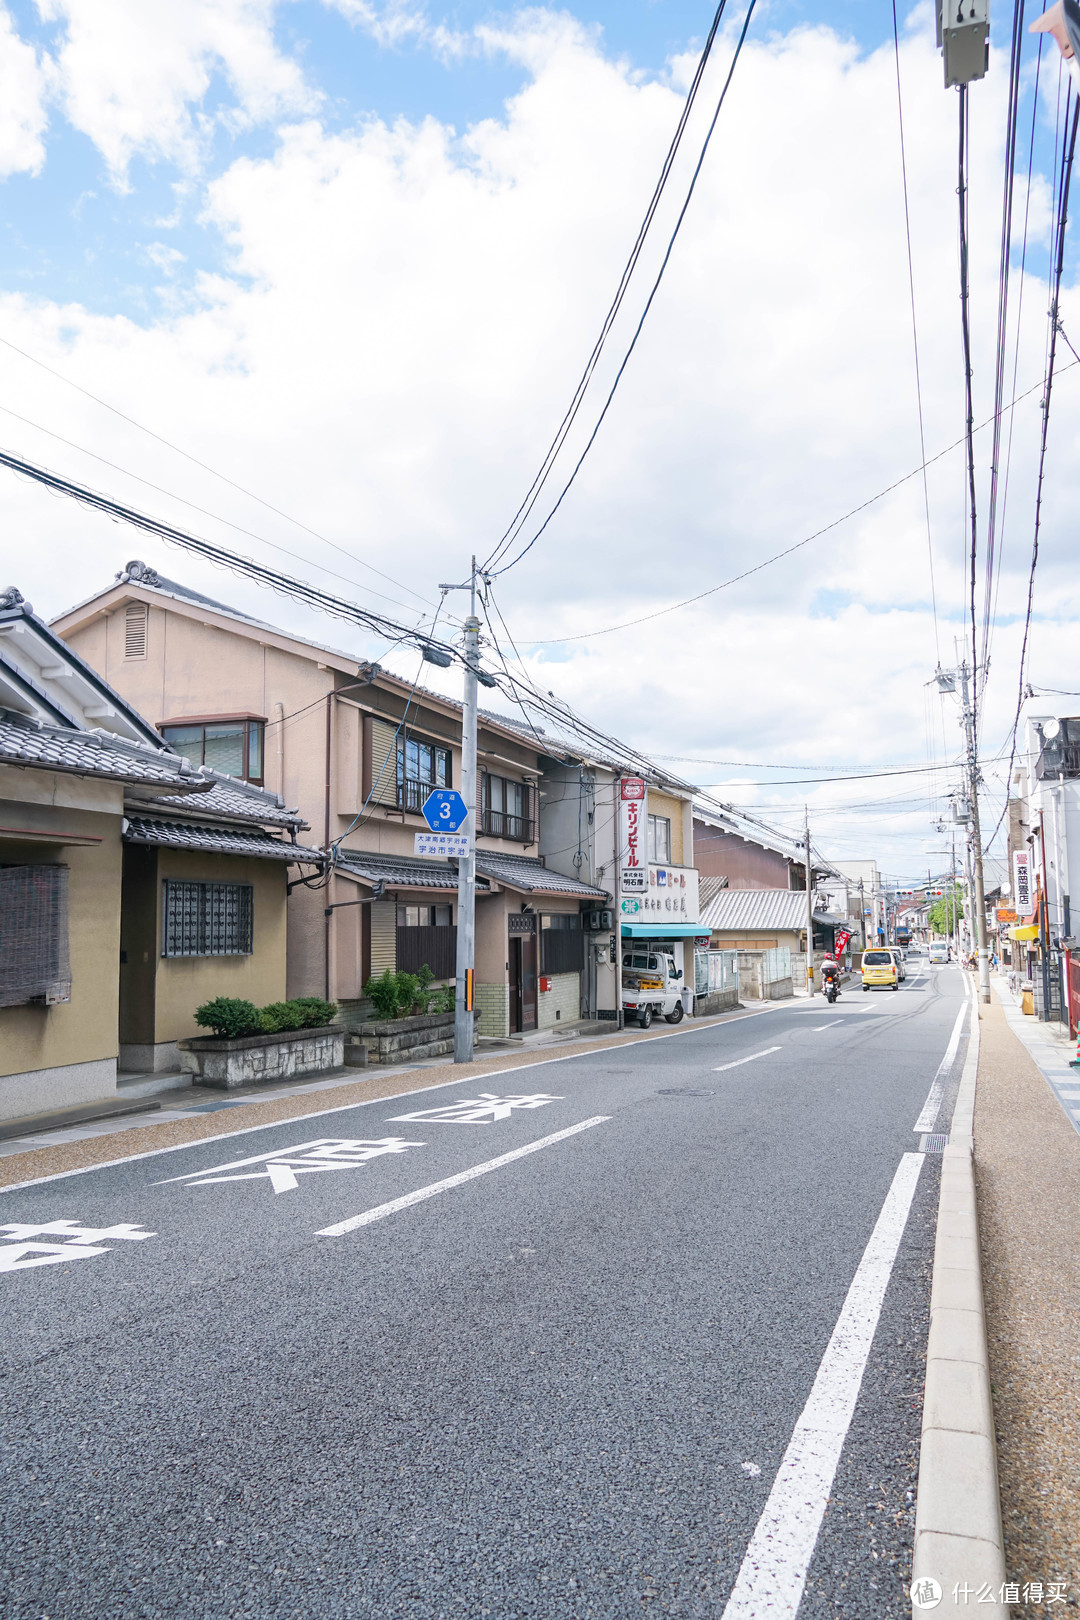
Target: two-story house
[(358, 750)]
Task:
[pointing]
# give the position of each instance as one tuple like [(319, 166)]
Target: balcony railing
[(501, 824)]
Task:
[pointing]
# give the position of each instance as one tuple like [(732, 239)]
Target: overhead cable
[(648, 306), (284, 584), (270, 507)]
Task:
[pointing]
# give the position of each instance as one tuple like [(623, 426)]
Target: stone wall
[(406, 1040), (252, 1059)]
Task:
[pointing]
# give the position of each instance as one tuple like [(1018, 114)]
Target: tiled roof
[(398, 871), (88, 753), (532, 877), (739, 909), (218, 840), (231, 797)]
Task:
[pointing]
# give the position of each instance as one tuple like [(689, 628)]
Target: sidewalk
[(1027, 1172)]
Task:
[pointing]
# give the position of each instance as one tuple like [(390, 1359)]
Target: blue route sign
[(445, 810)]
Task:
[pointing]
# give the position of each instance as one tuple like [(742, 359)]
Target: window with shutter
[(136, 616)]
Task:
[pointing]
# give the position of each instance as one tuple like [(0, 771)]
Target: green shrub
[(281, 1016), (316, 1011), (229, 1017), (396, 995), (383, 992)]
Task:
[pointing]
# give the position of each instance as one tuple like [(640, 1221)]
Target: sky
[(353, 257)]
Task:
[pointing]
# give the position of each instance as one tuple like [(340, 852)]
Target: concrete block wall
[(493, 1004), (562, 1003)]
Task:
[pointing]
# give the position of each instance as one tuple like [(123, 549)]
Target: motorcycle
[(832, 990)]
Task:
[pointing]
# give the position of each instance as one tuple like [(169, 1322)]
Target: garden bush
[(316, 1011), (281, 1016), (229, 1017), (397, 995)]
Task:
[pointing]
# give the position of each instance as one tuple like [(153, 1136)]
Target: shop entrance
[(522, 953)]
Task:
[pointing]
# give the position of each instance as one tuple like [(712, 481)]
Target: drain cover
[(934, 1144), (683, 1091)]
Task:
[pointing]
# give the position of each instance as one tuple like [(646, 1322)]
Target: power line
[(205, 512), (535, 488), (284, 584), (649, 301), (914, 324), (736, 579), (206, 468)]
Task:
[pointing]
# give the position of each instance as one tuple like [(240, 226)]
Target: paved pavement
[(1049, 1046), (636, 1329)]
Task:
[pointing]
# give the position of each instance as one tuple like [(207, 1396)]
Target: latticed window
[(34, 962), (207, 919)]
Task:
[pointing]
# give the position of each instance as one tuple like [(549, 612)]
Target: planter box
[(249, 1059), (403, 1040)]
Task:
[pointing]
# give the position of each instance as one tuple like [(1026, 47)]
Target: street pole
[(464, 1030), (976, 838), (809, 911), (616, 788)]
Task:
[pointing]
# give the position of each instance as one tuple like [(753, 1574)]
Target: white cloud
[(133, 76), (23, 116), (404, 316)]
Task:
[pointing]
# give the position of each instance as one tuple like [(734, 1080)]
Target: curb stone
[(958, 1539)]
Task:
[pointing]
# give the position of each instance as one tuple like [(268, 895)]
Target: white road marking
[(773, 1573), (739, 1061), (694, 1027), (76, 1242), (381, 1211), (482, 1110), (818, 1027), (932, 1106), (283, 1165)]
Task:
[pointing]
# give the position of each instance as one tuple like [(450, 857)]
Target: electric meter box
[(963, 33)]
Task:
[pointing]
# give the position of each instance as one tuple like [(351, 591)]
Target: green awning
[(660, 930)]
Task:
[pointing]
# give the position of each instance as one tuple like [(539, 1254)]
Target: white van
[(939, 950)]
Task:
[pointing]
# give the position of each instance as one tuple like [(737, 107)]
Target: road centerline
[(395, 1205), (740, 1061)]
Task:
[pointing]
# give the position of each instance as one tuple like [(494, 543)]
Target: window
[(423, 917), (421, 766), (562, 943), (207, 919), (660, 840), (507, 809), (232, 746), (136, 616), (34, 962)]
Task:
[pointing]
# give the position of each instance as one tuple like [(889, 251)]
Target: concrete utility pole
[(466, 928), (809, 910), (979, 899)]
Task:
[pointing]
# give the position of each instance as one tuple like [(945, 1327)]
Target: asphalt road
[(571, 1385)]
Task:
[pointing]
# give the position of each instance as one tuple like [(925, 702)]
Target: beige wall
[(184, 983), (663, 804), (84, 1030)]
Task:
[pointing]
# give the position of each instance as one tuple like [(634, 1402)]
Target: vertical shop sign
[(1022, 881), (635, 868)]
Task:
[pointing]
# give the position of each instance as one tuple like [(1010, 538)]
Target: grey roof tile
[(231, 797), (738, 909), (218, 840), (88, 753), (531, 876), (398, 871)]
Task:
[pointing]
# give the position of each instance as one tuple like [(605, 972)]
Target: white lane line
[(773, 1573), (818, 1027), (381, 1211), (739, 1061), (369, 1102), (932, 1106)]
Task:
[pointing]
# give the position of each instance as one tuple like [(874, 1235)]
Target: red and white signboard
[(841, 940), (1022, 881), (635, 865)]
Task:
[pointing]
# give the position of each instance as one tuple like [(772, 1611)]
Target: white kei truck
[(652, 986)]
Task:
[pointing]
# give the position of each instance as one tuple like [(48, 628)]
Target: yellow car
[(879, 971)]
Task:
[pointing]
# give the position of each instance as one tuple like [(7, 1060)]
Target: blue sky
[(70, 232)]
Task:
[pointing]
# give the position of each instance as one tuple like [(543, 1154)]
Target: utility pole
[(809, 910), (464, 1030), (979, 898)]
